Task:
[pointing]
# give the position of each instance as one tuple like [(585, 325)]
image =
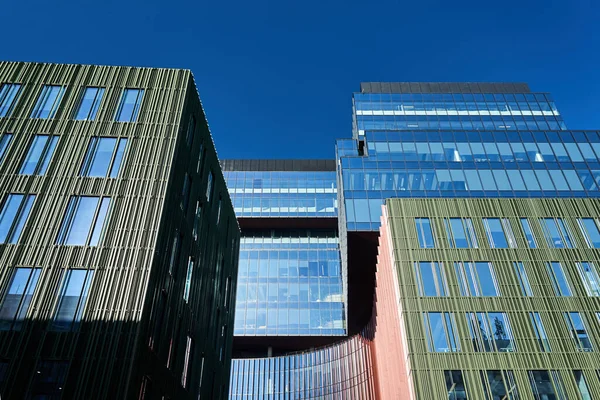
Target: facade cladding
[(119, 241), (510, 312)]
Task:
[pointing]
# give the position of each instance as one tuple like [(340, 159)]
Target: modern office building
[(291, 296), (119, 244), (467, 223), (486, 276)]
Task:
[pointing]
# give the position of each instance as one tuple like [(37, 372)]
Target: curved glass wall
[(340, 371)]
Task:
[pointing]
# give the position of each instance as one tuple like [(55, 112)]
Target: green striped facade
[(425, 369), (137, 332)]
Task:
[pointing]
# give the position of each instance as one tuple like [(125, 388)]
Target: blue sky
[(276, 77)]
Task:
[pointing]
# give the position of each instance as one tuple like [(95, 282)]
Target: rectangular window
[(576, 328), (546, 385), (209, 186), (499, 233), (431, 280), (582, 385), (590, 231), (89, 103), (13, 216), (189, 137), (197, 220), (174, 258), (540, 332), (186, 362), (9, 93), (185, 193), (49, 380), (200, 158), (72, 298), (528, 233), (129, 106), (499, 385), (523, 279), (425, 233), (48, 101), (38, 157), (188, 280), (558, 279), (441, 333), (219, 210), (556, 233), (589, 277), (476, 279), (490, 332), (103, 157), (455, 385), (18, 298), (4, 142), (460, 232), (84, 220)]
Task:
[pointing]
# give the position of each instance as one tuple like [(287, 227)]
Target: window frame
[(20, 218), (483, 339), (9, 108), (94, 106), (469, 278), (45, 157), (507, 231), (71, 213), (21, 310), (468, 230), (439, 276), (136, 107), (422, 234), (523, 279), (539, 331), (78, 312), (574, 333), (554, 279), (585, 231), (450, 332), (43, 97), (116, 160)]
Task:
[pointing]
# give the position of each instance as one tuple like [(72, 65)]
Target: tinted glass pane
[(590, 231)]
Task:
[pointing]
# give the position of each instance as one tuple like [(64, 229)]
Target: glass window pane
[(8, 95), (89, 103), (72, 299), (455, 385), (590, 231), (543, 385), (582, 386), (539, 331), (431, 279), (558, 279), (18, 297), (130, 105), (424, 233), (14, 214), (48, 102), (523, 279)]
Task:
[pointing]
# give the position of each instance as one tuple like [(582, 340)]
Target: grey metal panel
[(444, 87), (278, 165)]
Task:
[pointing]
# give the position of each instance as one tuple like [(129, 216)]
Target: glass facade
[(464, 111), (289, 280), (340, 371), (460, 145), (283, 194), (289, 283)]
